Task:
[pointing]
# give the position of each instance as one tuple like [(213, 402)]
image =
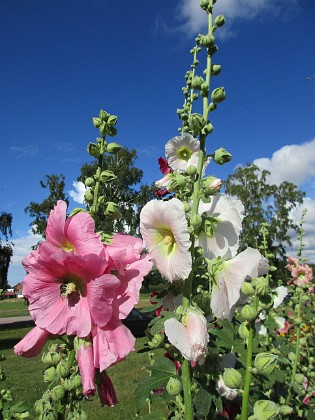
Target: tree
[(6, 248), (40, 211), (267, 203), (122, 191)]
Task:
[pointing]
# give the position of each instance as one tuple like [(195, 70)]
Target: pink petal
[(87, 370), (31, 345), (106, 390)]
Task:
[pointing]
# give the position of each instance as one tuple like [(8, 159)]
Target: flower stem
[(245, 397), (97, 177), (187, 390)]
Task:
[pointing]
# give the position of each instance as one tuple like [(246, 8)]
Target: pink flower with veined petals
[(292, 263), (77, 233), (106, 390), (302, 275), (68, 292), (86, 365), (32, 344)]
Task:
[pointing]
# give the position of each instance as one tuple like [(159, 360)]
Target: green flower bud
[(197, 82), (266, 410), (261, 286), (173, 387), (113, 148), (93, 150), (212, 106), (112, 120), (72, 383), (112, 210), (285, 410), (191, 170), (213, 49), (207, 129), (50, 374), (215, 69), (63, 368), (298, 321), (48, 415), (89, 182), (222, 156), (204, 4), (57, 393), (219, 21), (97, 122), (5, 394), (41, 405), (88, 195), (218, 95), (243, 330), (232, 378), (211, 184), (187, 207), (196, 220), (249, 313), (266, 302), (157, 341), (51, 358), (107, 176), (304, 298), (207, 40), (265, 363), (103, 115), (299, 378), (291, 356), (303, 341), (248, 289), (196, 122), (176, 183)]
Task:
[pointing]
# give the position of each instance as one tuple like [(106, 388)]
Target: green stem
[(187, 390), (97, 177), (245, 397)]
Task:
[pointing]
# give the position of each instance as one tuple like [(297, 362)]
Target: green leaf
[(203, 401), (152, 307), (154, 416), (163, 368)]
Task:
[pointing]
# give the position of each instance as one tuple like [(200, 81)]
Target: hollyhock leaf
[(202, 401), (162, 366), (32, 344), (164, 228)]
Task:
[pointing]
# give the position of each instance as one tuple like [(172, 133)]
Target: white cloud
[(22, 247), (77, 194), (195, 19), (294, 163)]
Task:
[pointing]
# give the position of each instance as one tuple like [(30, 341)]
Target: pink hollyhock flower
[(164, 228), (292, 263), (283, 325), (124, 256), (77, 233), (190, 336), (86, 366), (106, 390), (302, 275), (164, 167), (228, 279), (111, 343), (31, 345), (67, 292)]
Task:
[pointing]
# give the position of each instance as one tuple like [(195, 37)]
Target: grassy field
[(24, 376), (13, 307)]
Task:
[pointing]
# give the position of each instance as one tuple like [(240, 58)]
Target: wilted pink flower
[(86, 366), (106, 390), (190, 336), (31, 345)]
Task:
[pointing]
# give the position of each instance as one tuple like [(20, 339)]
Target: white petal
[(177, 335), (281, 293)]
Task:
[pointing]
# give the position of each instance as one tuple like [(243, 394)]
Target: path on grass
[(16, 321)]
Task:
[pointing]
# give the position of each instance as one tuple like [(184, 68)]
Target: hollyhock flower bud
[(93, 150), (249, 313), (265, 363), (112, 210), (63, 368), (204, 4), (113, 148), (107, 176), (72, 383), (215, 69), (157, 341), (232, 378), (243, 330), (197, 82), (89, 182), (195, 221), (299, 378), (51, 358), (266, 302), (222, 156), (191, 170), (219, 21), (247, 288), (50, 374), (88, 195), (207, 40), (225, 391), (265, 409), (218, 95), (212, 184), (212, 106), (261, 286), (285, 410), (41, 405), (173, 387), (57, 393)]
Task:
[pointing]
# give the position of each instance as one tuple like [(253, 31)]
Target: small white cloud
[(294, 163), (77, 194), (195, 19)]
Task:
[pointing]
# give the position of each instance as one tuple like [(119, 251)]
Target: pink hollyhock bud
[(106, 390), (86, 366), (163, 182)]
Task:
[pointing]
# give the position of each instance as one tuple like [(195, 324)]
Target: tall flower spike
[(164, 228)]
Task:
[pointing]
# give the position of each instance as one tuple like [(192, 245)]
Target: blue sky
[(62, 61)]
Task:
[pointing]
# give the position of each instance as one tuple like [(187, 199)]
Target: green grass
[(13, 307), (24, 377)]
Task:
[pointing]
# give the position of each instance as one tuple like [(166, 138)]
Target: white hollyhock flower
[(182, 151), (229, 279), (225, 391), (281, 293), (190, 336), (225, 215), (164, 228)]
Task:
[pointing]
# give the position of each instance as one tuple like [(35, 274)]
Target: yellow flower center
[(71, 285), (168, 240), (67, 246), (184, 153)]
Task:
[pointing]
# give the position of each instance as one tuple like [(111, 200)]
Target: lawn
[(24, 376)]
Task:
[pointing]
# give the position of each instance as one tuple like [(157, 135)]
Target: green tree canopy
[(124, 191), (6, 247), (265, 202), (40, 211)]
